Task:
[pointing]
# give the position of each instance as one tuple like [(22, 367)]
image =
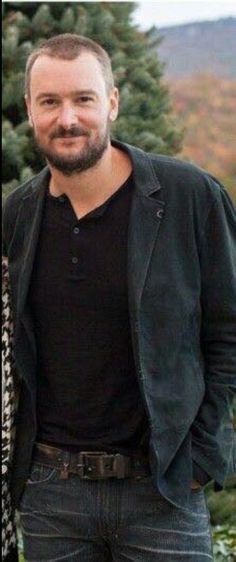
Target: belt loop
[(64, 473)]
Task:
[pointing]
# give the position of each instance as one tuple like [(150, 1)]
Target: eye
[(84, 99), (49, 102)]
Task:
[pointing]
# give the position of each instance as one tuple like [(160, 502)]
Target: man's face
[(70, 111)]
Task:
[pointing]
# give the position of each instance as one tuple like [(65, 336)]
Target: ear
[(114, 104), (28, 106)]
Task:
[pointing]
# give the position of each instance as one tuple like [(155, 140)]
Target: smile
[(69, 138)]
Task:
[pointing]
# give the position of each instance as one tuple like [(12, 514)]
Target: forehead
[(54, 74)]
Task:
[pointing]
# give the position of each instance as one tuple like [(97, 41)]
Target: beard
[(86, 158)]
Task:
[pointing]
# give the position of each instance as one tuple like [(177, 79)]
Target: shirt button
[(61, 199), (74, 260), (76, 230)]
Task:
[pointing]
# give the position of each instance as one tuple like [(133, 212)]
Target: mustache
[(60, 132)]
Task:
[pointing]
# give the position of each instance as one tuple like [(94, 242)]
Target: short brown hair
[(69, 46)]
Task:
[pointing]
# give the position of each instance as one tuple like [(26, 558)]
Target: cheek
[(94, 119), (102, 122), (42, 121), (43, 126)]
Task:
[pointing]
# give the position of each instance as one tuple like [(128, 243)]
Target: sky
[(172, 12)]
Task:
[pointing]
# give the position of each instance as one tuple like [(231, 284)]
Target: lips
[(69, 139), (70, 136)]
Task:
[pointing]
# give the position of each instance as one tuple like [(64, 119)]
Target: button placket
[(75, 231)]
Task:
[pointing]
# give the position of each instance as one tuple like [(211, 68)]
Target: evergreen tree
[(145, 113)]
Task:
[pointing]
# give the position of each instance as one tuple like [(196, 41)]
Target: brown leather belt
[(89, 465)]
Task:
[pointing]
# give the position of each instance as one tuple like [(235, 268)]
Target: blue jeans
[(125, 520)]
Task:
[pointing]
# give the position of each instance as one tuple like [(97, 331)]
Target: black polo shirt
[(88, 396)]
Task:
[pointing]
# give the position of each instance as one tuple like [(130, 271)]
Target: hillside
[(206, 108), (201, 75), (201, 47)]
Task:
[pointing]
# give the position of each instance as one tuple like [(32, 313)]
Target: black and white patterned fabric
[(9, 399)]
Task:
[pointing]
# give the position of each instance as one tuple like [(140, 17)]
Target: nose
[(67, 116)]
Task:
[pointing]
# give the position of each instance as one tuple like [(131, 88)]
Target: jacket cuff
[(200, 475)]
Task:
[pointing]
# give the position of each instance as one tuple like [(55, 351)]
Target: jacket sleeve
[(212, 430)]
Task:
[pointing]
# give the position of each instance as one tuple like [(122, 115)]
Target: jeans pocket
[(40, 473)]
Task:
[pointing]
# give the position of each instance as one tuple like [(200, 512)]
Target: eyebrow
[(74, 93)]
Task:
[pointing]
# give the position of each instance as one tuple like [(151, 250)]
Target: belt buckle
[(100, 465)]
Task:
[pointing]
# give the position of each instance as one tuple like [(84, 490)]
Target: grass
[(224, 543)]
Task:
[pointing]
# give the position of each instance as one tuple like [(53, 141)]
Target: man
[(122, 268)]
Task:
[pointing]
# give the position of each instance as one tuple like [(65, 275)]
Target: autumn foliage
[(206, 109)]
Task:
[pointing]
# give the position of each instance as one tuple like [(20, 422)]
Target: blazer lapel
[(146, 214), (32, 209), (145, 220)]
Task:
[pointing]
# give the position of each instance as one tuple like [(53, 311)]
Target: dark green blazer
[(182, 299)]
